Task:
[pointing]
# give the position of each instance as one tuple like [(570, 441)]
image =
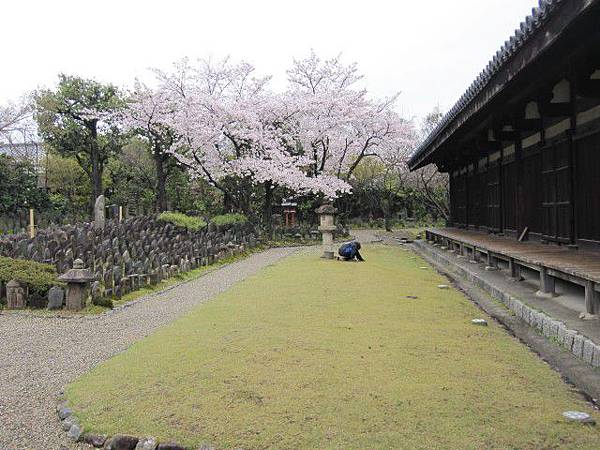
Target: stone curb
[(76, 433), (554, 330)]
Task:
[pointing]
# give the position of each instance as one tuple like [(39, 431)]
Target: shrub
[(38, 277), (103, 301), (229, 219), (182, 220)]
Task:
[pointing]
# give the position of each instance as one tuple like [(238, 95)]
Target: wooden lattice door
[(556, 189), (494, 197)]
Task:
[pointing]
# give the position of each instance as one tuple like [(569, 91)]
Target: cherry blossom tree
[(338, 124), (236, 133), (247, 140)]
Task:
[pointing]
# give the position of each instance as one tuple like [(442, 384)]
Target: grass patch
[(323, 354), (182, 220)]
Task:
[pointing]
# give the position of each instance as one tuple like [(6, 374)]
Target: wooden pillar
[(572, 172), (467, 198), (501, 189), (475, 256), (31, 223), (492, 261), (592, 299), (547, 284), (519, 203), (515, 270)]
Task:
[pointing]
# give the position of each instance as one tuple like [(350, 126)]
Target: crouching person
[(350, 251)]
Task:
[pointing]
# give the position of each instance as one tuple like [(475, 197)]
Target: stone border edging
[(76, 433), (576, 356)]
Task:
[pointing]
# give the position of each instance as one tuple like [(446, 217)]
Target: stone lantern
[(77, 280), (327, 227)]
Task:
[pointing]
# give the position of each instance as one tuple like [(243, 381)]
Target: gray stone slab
[(577, 348), (588, 350)]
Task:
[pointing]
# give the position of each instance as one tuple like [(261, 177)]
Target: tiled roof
[(528, 27)]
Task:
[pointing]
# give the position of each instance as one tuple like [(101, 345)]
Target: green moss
[(182, 220), (323, 354), (37, 276), (229, 219)]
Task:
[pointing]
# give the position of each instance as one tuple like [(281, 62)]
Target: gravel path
[(39, 356)]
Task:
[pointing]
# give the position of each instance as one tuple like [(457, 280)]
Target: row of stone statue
[(120, 256)]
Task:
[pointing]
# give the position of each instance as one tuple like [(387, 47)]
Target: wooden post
[(592, 300), (572, 150), (475, 256), (519, 220), (492, 262), (31, 223), (501, 189), (120, 214), (515, 270), (547, 284)]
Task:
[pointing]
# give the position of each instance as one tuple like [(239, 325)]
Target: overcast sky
[(428, 50)]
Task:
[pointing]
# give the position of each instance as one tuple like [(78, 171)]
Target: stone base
[(327, 254), (588, 316), (542, 294)]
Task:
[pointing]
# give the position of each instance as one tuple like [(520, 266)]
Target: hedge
[(38, 277), (229, 219), (182, 220)]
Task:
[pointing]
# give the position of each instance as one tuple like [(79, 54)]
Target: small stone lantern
[(327, 227), (77, 280)]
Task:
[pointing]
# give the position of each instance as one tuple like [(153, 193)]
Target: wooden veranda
[(550, 261)]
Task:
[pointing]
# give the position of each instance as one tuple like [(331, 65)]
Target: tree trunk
[(226, 202), (161, 181), (386, 208), (268, 209), (96, 175), (96, 164)]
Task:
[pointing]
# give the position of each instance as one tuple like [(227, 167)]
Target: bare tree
[(16, 122), (432, 186)]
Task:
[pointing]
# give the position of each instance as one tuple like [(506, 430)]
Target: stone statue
[(16, 296), (99, 213)]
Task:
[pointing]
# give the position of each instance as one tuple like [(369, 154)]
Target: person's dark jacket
[(350, 251)]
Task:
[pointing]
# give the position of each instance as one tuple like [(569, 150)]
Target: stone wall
[(125, 255)]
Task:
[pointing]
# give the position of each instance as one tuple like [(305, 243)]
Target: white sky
[(428, 50)]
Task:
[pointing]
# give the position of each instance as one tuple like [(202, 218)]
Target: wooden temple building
[(522, 150)]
